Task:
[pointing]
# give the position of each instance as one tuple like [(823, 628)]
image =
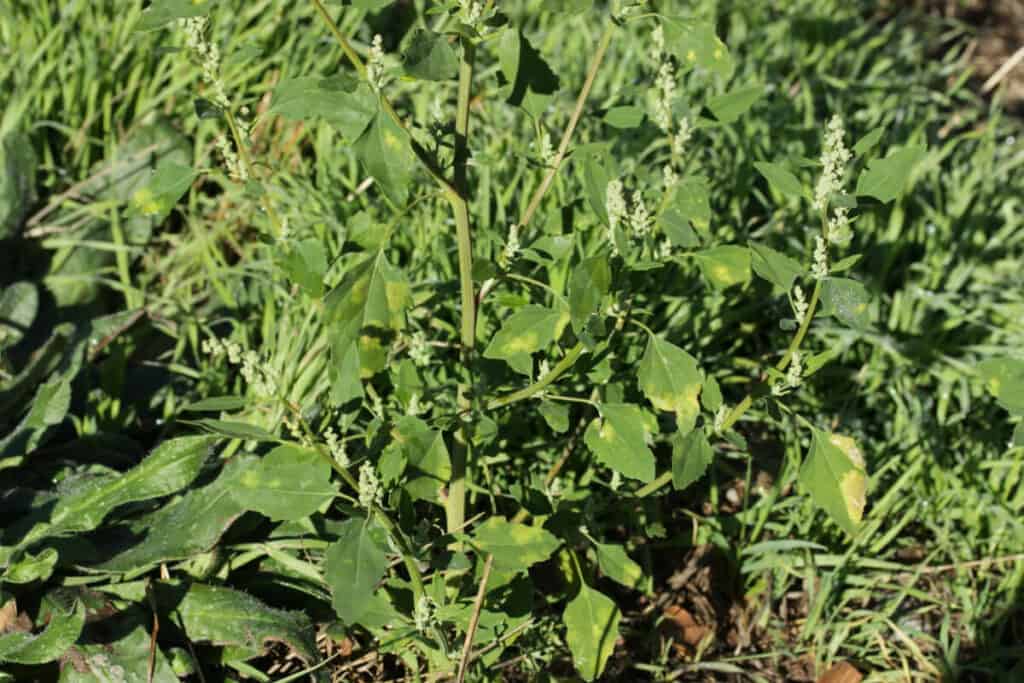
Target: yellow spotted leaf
[(835, 477), (671, 380)]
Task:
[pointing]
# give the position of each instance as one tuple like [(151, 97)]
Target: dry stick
[(575, 353), (1006, 68)]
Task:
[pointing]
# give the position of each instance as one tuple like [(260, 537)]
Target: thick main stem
[(456, 503)]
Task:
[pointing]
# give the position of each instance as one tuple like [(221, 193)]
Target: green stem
[(455, 507), (540, 385)]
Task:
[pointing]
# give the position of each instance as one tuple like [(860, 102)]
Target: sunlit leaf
[(355, 564), (591, 628), (618, 438), (729, 107), (775, 267), (695, 44), (671, 380), (430, 57), (515, 546), (691, 456), (885, 179), (847, 300), (725, 266), (290, 482), (1004, 379), (833, 474)]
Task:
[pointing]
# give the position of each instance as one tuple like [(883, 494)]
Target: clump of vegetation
[(479, 341)]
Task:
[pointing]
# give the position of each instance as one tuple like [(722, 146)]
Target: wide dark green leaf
[(617, 565), (17, 182), (589, 284), (526, 331), (618, 438), (591, 628), (834, 476), (732, 105), (61, 633), (688, 209), (691, 456), (48, 408), (775, 267), (100, 660), (671, 380), (426, 458), (224, 616), (355, 564), (725, 266), (533, 83), (1004, 379), (306, 265), (385, 151), (624, 117), (172, 466), (695, 44), (190, 525), (847, 300), (885, 179), (430, 57), (289, 483), (343, 101), (779, 177), (515, 546)]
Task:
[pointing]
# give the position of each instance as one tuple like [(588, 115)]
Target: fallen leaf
[(843, 672), (687, 628), (11, 621)]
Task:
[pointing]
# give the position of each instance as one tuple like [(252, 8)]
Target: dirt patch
[(997, 42)]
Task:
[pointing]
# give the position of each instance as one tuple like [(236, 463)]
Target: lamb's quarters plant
[(500, 339)]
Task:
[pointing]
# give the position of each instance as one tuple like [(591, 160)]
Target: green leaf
[(526, 331), (729, 107), (355, 564), (691, 456), (834, 476), (695, 44), (126, 659), (711, 395), (1018, 435), (48, 408), (619, 440), (1004, 379), (305, 263), (624, 117), (591, 628), (868, 142), (373, 294), (428, 464), (847, 300), (19, 304), (533, 83), (188, 526), (430, 57), (515, 546), (780, 178), (162, 12), (166, 186), (60, 634), (344, 101), (690, 205), (224, 616), (725, 266), (216, 404), (597, 173), (556, 415), (885, 179), (590, 282), (775, 267), (671, 380), (289, 483), (17, 182), (618, 566), (172, 466), (234, 430), (385, 151), (32, 567)]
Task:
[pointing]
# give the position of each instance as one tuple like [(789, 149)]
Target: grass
[(931, 587)]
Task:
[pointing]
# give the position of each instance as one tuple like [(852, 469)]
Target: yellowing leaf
[(834, 476), (591, 629), (671, 380)]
